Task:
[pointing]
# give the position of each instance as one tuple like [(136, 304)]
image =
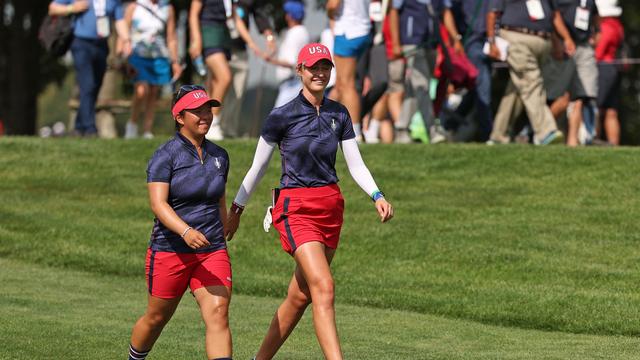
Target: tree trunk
[(19, 67)]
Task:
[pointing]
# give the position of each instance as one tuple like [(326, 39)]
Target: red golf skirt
[(302, 215)]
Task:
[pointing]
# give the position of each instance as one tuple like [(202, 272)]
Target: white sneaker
[(370, 137), (436, 135), (131, 130), (147, 135), (371, 134), (402, 136), (215, 133)]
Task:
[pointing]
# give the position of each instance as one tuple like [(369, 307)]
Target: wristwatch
[(377, 195)]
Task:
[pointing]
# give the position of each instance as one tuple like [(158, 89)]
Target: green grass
[(541, 242), (66, 314)]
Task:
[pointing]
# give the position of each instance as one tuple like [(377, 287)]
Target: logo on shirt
[(217, 162), (333, 124)]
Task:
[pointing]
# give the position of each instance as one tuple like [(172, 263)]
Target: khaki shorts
[(397, 68), (585, 81)]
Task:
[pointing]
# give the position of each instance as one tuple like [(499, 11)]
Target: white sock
[(374, 127), (216, 120)]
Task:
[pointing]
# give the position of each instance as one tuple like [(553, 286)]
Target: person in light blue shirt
[(92, 27)]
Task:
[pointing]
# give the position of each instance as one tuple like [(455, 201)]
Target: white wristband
[(185, 231)]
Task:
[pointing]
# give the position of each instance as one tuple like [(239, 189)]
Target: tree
[(24, 70)]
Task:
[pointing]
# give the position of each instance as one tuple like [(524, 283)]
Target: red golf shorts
[(169, 273), (309, 214)]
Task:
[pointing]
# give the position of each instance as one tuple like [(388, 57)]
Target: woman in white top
[(154, 58), (352, 29)]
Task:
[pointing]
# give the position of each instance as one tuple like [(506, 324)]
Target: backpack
[(56, 34)]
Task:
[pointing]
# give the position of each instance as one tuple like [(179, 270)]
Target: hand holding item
[(195, 49), (494, 52), (271, 45), (176, 70)]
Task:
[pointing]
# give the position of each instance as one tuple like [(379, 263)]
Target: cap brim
[(199, 102), (311, 62)]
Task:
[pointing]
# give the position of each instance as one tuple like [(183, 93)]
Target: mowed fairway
[(496, 252)]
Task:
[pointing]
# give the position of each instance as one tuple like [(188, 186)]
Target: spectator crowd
[(406, 70)]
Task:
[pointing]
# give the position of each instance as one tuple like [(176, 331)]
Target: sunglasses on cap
[(190, 97), (184, 89)]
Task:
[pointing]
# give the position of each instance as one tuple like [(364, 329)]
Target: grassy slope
[(65, 314), (515, 236)]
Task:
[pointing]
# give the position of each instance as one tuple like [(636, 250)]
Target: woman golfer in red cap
[(308, 211), (186, 180)]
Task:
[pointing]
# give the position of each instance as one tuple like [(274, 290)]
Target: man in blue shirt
[(527, 26), (92, 27)]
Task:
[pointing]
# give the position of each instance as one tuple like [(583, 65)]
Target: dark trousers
[(372, 63), (90, 62), (482, 90)]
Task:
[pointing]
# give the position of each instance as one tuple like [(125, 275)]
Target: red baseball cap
[(312, 53), (193, 100)]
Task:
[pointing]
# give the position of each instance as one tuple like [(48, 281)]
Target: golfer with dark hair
[(186, 180), (308, 212)]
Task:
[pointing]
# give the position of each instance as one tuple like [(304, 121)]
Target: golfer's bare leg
[(149, 327), (312, 261), (214, 308), (289, 313)]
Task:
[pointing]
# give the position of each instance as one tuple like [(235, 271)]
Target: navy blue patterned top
[(195, 188), (308, 140)]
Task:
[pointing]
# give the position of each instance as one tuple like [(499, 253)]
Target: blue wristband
[(377, 195)]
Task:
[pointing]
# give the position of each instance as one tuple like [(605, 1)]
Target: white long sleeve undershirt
[(264, 150), (358, 170)]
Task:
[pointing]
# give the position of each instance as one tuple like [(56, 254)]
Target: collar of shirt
[(306, 102), (189, 145)]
